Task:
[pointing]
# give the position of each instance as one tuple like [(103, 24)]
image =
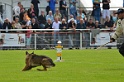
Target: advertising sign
[(101, 38), (8, 39)]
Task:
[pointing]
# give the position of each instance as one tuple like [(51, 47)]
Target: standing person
[(21, 15), (123, 3), (28, 37), (119, 29), (62, 8), (16, 10), (55, 26), (52, 5), (73, 10), (72, 27), (63, 34), (36, 9), (106, 7), (80, 25), (90, 25), (96, 9), (48, 35)]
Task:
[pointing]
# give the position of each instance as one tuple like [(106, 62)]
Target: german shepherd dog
[(33, 60)]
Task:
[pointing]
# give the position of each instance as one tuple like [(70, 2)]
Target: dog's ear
[(27, 53), (32, 52)]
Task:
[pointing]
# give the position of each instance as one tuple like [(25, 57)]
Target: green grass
[(78, 66)]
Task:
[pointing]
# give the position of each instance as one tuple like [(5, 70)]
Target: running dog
[(33, 60)]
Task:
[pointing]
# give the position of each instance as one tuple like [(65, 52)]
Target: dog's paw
[(41, 70)]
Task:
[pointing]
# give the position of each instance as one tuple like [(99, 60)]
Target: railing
[(47, 38)]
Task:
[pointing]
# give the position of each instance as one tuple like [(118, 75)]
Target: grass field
[(78, 66)]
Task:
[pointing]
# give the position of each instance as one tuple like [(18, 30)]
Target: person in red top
[(28, 37)]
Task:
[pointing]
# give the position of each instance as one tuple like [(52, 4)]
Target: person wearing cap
[(119, 29)]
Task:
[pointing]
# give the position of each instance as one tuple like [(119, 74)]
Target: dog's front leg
[(27, 68), (45, 69)]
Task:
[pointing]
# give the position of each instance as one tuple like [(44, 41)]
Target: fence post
[(35, 41), (80, 40)]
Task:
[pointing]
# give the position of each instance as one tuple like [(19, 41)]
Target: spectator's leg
[(97, 14), (64, 38), (65, 14), (108, 13), (58, 36), (54, 39), (28, 42), (53, 11), (71, 11), (61, 11), (104, 15), (77, 40), (87, 39), (70, 40)]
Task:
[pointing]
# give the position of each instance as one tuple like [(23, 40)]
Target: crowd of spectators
[(57, 18)]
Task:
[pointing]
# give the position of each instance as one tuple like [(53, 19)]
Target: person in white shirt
[(16, 10), (56, 25)]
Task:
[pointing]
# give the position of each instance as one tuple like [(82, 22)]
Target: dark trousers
[(121, 49), (63, 13)]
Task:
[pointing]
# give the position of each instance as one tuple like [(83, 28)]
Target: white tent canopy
[(114, 5)]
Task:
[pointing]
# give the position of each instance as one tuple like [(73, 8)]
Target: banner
[(7, 39), (101, 38)]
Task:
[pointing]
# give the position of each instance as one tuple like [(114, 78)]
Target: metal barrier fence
[(47, 38)]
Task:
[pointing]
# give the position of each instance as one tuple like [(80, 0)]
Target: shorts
[(106, 13)]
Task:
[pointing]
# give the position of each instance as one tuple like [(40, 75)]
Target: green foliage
[(77, 66)]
